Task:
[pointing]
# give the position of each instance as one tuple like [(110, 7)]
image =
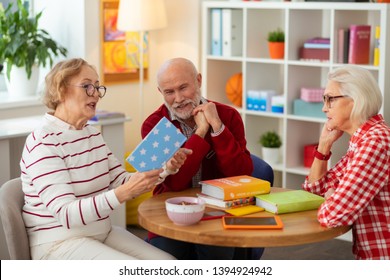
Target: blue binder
[(216, 31)]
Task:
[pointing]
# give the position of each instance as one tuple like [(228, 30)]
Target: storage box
[(308, 154), (277, 104), (312, 94), (308, 109), (259, 100), (311, 54)]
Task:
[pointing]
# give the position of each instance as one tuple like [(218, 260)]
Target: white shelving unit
[(300, 21)]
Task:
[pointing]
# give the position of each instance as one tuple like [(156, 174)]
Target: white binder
[(232, 24)]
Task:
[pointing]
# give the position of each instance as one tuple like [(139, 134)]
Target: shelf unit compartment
[(303, 76), (255, 126), (257, 34), (261, 76), (218, 73), (345, 18), (304, 25), (299, 134)]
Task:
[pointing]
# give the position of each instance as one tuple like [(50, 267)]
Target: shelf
[(300, 21)]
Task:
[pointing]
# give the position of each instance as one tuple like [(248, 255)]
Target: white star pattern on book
[(157, 147)]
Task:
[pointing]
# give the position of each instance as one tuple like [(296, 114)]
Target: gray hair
[(359, 84)]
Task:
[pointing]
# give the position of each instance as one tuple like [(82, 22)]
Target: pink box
[(312, 94)]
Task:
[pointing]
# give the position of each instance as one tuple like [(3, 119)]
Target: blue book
[(157, 147), (316, 46)]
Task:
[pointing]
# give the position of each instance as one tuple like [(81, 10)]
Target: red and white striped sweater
[(68, 179)]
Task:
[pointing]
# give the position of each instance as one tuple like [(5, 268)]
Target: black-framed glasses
[(328, 100), (90, 89)]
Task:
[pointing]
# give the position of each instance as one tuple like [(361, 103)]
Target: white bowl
[(185, 210)]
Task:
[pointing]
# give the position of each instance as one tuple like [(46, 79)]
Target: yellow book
[(376, 48), (244, 210)]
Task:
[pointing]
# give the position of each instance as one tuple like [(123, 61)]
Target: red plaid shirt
[(362, 191)]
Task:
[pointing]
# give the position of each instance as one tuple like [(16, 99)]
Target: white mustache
[(184, 104)]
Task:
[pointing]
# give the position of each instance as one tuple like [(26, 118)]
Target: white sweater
[(68, 179)]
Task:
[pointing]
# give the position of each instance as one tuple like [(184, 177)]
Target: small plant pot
[(276, 50), (271, 155)]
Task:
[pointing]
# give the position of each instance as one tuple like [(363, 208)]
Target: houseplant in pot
[(271, 143), (24, 47), (276, 44)]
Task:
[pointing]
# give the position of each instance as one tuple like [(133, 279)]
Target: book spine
[(216, 32), (240, 202), (318, 41), (346, 45), (376, 48), (359, 44), (340, 45), (316, 46), (231, 32)]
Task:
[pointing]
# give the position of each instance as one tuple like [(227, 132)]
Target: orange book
[(230, 188)]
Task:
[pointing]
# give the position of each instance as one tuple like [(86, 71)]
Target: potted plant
[(271, 143), (276, 44), (24, 47)]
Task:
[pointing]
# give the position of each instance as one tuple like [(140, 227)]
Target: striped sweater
[(68, 179)]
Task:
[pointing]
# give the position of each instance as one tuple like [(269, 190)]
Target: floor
[(334, 249)]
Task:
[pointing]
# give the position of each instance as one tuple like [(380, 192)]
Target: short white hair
[(359, 84)]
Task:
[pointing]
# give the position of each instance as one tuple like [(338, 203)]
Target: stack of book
[(231, 192), (315, 49), (354, 44)]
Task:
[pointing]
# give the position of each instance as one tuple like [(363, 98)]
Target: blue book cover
[(157, 147)]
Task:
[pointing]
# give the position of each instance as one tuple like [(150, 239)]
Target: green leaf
[(22, 43)]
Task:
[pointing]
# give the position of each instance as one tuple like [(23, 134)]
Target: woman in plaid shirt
[(356, 189)]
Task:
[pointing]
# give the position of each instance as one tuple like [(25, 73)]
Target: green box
[(308, 109)]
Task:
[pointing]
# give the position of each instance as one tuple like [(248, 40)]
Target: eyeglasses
[(90, 89), (328, 100)]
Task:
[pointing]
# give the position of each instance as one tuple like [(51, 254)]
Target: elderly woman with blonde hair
[(73, 182)]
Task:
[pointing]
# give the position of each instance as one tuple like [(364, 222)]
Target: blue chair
[(264, 171)]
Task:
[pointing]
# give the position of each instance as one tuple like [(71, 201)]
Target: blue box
[(308, 109), (259, 100)]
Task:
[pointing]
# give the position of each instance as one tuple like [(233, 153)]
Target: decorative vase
[(271, 155), (276, 50), (18, 84)]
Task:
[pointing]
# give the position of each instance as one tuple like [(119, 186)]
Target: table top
[(299, 227)]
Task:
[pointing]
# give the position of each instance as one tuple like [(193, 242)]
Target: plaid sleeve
[(365, 174)]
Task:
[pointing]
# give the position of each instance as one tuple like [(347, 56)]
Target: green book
[(289, 201)]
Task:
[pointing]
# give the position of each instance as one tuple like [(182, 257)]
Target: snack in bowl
[(185, 210)]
